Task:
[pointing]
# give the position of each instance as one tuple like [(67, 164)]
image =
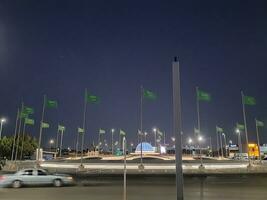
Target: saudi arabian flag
[(219, 129), (23, 115), (203, 96), (122, 132), (45, 125), (51, 104), (160, 133), (80, 130), (149, 95), (28, 110), (89, 98), (102, 131), (29, 121), (61, 128), (248, 100), (240, 126), (259, 123)]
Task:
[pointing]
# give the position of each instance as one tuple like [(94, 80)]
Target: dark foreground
[(149, 188)]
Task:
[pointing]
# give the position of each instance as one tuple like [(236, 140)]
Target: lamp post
[(223, 134), (200, 139), (239, 140), (155, 133), (51, 142), (112, 143), (190, 142), (2, 121), (145, 135)]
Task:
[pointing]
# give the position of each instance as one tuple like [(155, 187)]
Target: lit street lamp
[(155, 132), (190, 142), (223, 134), (238, 132), (3, 120), (51, 142)]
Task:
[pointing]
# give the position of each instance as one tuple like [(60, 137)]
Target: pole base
[(201, 167), (141, 167), (81, 167)]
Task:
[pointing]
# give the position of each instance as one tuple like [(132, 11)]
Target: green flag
[(259, 123), (122, 132), (203, 96), (149, 95), (160, 133), (248, 100), (240, 126), (89, 98), (51, 104), (61, 128), (80, 130), (29, 121), (45, 125), (28, 110), (219, 129), (102, 131), (23, 115)]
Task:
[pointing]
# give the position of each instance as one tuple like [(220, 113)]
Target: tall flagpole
[(124, 170), (84, 118), (77, 144), (40, 131), (177, 128), (57, 139), (20, 122), (198, 112), (141, 124), (22, 142), (258, 139), (218, 149), (61, 143), (245, 123), (221, 145), (15, 135)]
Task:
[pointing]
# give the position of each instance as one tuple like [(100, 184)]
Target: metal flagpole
[(61, 143), (20, 121), (57, 140), (41, 129), (245, 123), (22, 142), (124, 170), (84, 118), (15, 135), (177, 128), (77, 144), (218, 149), (258, 139), (141, 125), (198, 112)]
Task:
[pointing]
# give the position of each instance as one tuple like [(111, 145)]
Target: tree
[(6, 144)]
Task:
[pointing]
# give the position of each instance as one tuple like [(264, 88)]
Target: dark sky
[(61, 47)]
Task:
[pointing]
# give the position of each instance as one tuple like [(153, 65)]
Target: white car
[(33, 177)]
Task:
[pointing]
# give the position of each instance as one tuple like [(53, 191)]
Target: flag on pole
[(149, 95), (29, 121), (203, 96), (102, 131), (45, 125), (139, 132), (23, 115), (51, 104), (160, 133), (61, 128), (122, 132), (248, 100), (219, 129), (28, 110), (89, 98), (80, 130), (240, 126), (259, 123)]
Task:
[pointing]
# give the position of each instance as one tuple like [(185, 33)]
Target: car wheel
[(16, 184), (57, 183)]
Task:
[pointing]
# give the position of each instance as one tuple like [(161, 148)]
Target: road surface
[(149, 188)]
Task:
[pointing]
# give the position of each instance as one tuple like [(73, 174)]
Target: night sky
[(61, 47)]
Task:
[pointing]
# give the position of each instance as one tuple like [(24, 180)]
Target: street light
[(223, 134), (112, 144), (238, 132), (51, 142), (155, 132), (145, 135), (190, 142), (3, 120), (200, 139)]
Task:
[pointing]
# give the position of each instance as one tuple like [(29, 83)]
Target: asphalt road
[(149, 188)]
